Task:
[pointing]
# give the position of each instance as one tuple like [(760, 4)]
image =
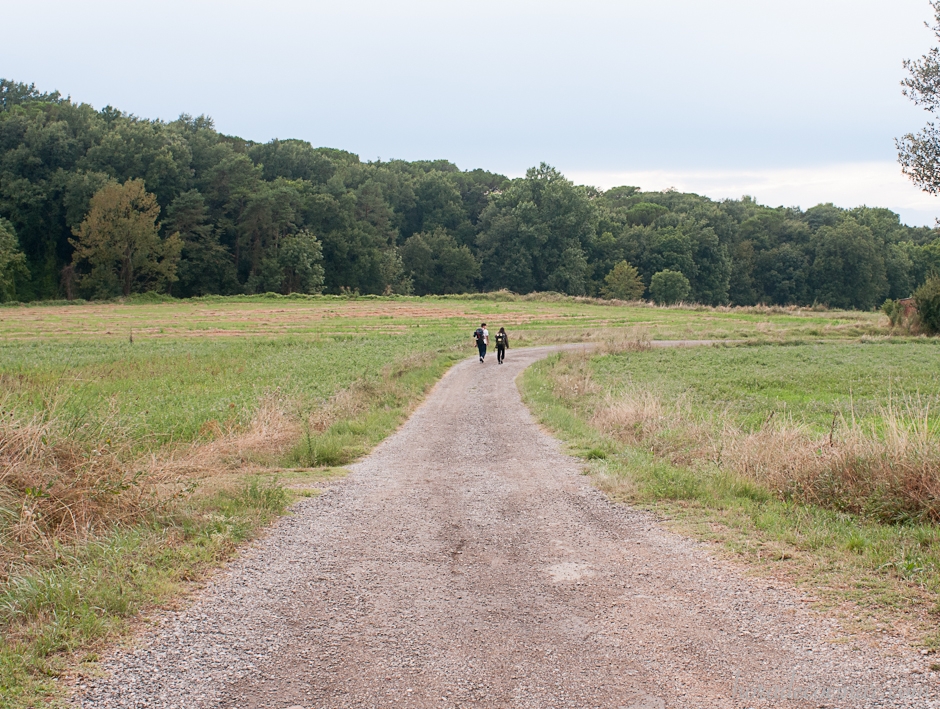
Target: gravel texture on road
[(467, 563)]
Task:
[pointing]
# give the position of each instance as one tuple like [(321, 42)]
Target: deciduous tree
[(919, 153), (848, 268), (623, 282), (206, 266), (927, 298), (438, 264), (300, 257), (668, 287), (535, 234), (118, 249), (12, 262)]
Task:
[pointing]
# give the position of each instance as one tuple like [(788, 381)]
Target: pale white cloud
[(499, 84), (876, 184)]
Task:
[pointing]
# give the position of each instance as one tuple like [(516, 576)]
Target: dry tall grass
[(631, 339), (889, 470), (56, 491), (575, 379), (52, 489), (357, 398), (271, 429)]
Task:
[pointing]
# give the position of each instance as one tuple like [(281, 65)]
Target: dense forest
[(100, 203)]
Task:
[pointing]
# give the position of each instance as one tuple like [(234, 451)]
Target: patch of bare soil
[(466, 562)]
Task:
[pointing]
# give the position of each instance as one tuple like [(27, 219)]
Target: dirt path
[(466, 563)]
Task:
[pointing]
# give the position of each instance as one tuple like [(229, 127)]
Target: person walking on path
[(502, 344), (482, 336)]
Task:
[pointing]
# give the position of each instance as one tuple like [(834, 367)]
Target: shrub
[(623, 283), (893, 310), (927, 298), (668, 287)]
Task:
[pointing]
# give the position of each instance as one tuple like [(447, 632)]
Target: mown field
[(806, 385), (142, 442), (818, 462)]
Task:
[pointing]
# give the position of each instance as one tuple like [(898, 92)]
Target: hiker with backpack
[(482, 337), (502, 344)]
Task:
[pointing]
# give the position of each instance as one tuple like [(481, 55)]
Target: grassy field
[(142, 442), (819, 463), (536, 318), (809, 384)]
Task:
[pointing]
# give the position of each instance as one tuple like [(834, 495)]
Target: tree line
[(101, 203)]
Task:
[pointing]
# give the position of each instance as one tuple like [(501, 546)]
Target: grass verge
[(59, 617), (648, 437)]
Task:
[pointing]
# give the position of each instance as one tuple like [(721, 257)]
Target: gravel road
[(467, 563)]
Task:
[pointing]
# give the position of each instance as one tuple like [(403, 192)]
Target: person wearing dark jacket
[(482, 337), (502, 344)]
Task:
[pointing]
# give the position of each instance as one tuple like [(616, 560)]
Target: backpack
[(500, 339), (478, 333)]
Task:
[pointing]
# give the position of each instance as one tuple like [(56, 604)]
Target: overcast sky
[(793, 102)]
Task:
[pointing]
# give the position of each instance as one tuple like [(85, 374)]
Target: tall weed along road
[(465, 562)]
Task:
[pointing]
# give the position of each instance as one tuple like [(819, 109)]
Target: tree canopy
[(118, 249), (668, 287), (623, 282), (286, 216), (12, 261), (919, 153)]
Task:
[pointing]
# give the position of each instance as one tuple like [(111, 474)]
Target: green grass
[(62, 614), (389, 400), (809, 383), (888, 573), (157, 392)]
